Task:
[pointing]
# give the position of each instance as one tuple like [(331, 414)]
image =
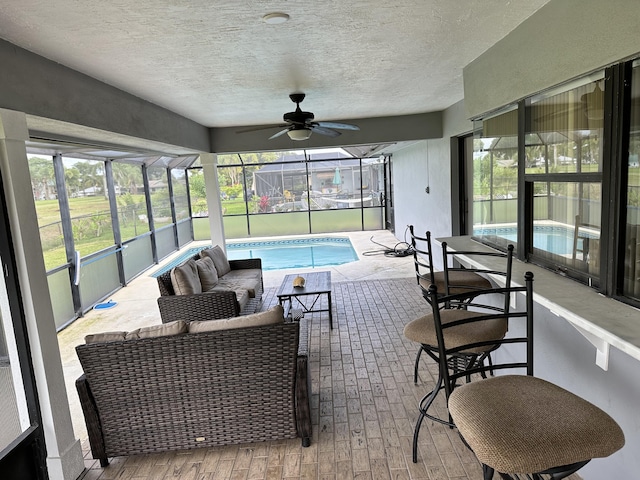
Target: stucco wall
[(42, 88), (561, 41), (427, 163)]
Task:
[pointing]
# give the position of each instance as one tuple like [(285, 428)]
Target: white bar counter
[(601, 320)]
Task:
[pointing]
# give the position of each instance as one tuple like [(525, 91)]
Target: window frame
[(613, 180)]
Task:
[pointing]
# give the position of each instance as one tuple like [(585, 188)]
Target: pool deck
[(364, 401), (137, 307)]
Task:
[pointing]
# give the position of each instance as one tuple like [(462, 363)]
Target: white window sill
[(601, 320)]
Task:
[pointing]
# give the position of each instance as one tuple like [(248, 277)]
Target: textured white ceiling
[(217, 62)]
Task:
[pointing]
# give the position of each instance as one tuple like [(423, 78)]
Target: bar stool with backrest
[(471, 279), (455, 308), (516, 424)]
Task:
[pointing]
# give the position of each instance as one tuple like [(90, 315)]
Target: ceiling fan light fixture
[(299, 134), (275, 18)]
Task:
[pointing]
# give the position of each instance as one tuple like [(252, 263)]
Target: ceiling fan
[(299, 125)]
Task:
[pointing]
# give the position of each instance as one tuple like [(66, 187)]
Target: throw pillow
[(185, 279), (269, 317), (163, 330), (207, 273), (219, 259)]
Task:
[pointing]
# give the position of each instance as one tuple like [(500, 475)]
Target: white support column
[(209, 169), (64, 454)]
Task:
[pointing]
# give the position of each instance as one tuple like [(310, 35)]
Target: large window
[(631, 286), (495, 179), (563, 157), (540, 183)]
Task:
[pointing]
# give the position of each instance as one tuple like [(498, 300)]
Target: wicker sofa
[(237, 290), (194, 390)]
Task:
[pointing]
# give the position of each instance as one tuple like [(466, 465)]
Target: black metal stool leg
[(487, 472), (423, 406), (416, 432), (415, 367)]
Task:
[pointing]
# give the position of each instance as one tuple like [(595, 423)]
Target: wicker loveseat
[(194, 390), (235, 290)]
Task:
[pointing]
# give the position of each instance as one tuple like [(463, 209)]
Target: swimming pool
[(556, 239), (296, 253)]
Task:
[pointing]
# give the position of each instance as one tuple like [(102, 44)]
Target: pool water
[(556, 243), (296, 253), (553, 239)]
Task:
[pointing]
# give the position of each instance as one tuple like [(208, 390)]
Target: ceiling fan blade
[(324, 131), (341, 126), (262, 127), (281, 132)]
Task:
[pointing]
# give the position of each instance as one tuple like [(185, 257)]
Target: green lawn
[(91, 223)]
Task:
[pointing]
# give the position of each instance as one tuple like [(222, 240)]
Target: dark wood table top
[(315, 282)]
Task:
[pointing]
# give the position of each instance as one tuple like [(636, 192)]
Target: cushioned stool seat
[(518, 424), (470, 280), (422, 330)]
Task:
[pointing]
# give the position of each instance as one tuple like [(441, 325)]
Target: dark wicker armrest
[(303, 386), (245, 263), (92, 420), (305, 331), (202, 306), (164, 283)]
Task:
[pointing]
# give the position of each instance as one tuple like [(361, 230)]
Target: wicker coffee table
[(316, 285)]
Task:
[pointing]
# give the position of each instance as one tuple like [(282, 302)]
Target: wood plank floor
[(364, 406)]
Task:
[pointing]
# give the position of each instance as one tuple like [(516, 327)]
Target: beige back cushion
[(185, 279), (105, 337), (219, 259), (162, 330), (269, 317), (207, 273)]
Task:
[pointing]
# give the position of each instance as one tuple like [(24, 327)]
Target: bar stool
[(517, 424), (476, 333), (460, 280)]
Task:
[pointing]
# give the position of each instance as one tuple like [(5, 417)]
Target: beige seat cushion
[(234, 283), (207, 273), (422, 330), (456, 280), (242, 295), (250, 278), (152, 331), (521, 424), (269, 317), (219, 259), (185, 279)]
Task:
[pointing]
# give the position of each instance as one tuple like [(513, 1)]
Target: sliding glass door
[(22, 450)]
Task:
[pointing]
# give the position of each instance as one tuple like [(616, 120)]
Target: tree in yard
[(42, 178)]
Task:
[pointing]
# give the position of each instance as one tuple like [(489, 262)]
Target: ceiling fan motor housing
[(298, 116)]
